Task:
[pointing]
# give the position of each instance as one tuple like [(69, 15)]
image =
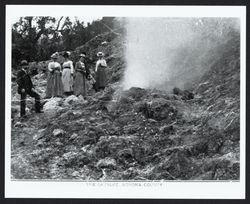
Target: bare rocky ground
[(138, 134)]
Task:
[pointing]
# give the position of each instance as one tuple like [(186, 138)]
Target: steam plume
[(166, 52)]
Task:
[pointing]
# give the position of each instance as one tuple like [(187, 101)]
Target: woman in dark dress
[(80, 77), (100, 72)]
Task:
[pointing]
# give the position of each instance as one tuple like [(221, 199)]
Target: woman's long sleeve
[(71, 67), (96, 66), (77, 66), (50, 67)]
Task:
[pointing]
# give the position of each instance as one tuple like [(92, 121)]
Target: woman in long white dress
[(67, 74)]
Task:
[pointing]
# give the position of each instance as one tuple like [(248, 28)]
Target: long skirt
[(101, 78), (80, 84), (67, 80), (54, 85)]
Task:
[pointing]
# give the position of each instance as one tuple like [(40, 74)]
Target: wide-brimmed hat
[(24, 63), (100, 54), (82, 55), (54, 55), (66, 54)]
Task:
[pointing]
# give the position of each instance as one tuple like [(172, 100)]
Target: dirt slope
[(136, 134)]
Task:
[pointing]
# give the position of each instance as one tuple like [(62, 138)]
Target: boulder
[(135, 93), (73, 137), (69, 155), (85, 148), (111, 106), (71, 100), (39, 134), (52, 105), (125, 156), (73, 159), (20, 124), (106, 163), (185, 95), (104, 43), (158, 109), (58, 132), (177, 91), (40, 143)]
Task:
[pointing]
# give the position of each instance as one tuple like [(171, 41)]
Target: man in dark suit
[(25, 86)]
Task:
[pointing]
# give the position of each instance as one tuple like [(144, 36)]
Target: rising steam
[(166, 52)]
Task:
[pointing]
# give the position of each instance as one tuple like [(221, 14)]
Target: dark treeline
[(36, 38)]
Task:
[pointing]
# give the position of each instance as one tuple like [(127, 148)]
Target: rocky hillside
[(137, 134)]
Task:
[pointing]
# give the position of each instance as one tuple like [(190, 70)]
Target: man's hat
[(82, 55), (100, 54), (24, 63)]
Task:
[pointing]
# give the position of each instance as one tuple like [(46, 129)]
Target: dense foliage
[(35, 38)]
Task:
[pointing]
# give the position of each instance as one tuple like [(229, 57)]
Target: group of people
[(67, 79), (63, 79)]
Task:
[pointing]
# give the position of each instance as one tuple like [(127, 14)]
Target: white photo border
[(125, 189)]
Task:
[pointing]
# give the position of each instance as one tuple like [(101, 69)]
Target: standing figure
[(44, 67), (67, 74), (100, 72), (25, 87), (54, 85), (81, 75)]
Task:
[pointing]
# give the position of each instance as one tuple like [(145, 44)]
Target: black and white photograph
[(102, 100)]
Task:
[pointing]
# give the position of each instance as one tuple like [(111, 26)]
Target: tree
[(36, 38), (27, 34)]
